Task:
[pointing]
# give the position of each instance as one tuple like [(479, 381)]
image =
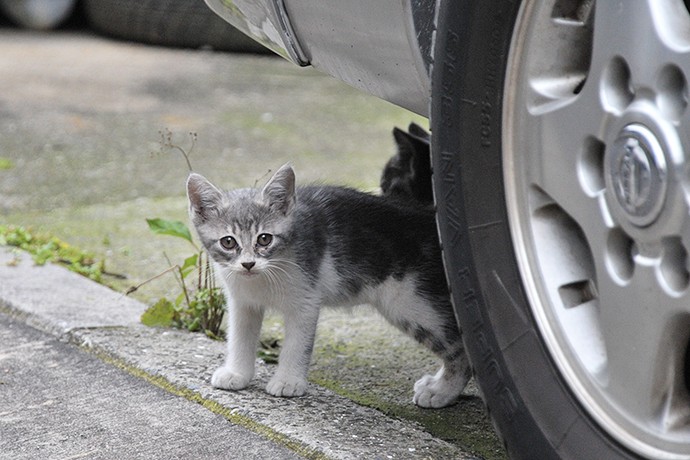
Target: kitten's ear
[(204, 197), (279, 192), (417, 131), (406, 150)]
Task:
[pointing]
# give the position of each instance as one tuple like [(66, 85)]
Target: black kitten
[(408, 173)]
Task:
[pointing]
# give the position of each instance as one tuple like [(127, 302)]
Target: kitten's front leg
[(244, 327), (290, 378)]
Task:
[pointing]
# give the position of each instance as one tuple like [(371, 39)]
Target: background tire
[(38, 14), (177, 23), (535, 405)]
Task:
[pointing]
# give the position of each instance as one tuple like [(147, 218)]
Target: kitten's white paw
[(434, 391), (226, 378), (286, 386)]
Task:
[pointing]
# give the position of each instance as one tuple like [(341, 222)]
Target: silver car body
[(381, 47)]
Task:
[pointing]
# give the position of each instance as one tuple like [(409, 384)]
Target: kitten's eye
[(228, 243), (264, 239)]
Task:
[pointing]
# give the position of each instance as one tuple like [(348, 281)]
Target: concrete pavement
[(58, 401), (122, 390)]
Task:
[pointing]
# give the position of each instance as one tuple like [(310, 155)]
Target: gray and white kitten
[(298, 249)]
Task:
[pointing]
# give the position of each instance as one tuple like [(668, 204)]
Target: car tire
[(175, 23), (38, 14), (507, 76)]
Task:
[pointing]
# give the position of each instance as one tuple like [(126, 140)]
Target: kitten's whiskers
[(280, 277)]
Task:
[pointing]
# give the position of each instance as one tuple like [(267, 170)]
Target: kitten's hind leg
[(442, 389), (244, 326)]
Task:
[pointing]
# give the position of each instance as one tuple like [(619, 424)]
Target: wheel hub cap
[(637, 174)]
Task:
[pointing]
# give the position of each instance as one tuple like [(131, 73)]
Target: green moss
[(6, 164), (45, 248), (464, 424), (335, 153), (379, 371), (118, 234)]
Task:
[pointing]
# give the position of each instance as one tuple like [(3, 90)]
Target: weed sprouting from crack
[(200, 304)]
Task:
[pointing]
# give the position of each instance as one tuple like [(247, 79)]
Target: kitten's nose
[(248, 265)]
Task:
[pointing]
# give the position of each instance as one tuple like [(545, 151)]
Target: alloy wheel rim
[(598, 196)]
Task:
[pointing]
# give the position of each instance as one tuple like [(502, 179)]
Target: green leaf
[(160, 314), (195, 325), (170, 227), (179, 301), (189, 265)]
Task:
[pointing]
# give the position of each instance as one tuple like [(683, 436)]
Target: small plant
[(45, 248), (199, 306)]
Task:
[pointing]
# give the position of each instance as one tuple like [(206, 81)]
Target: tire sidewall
[(532, 408)]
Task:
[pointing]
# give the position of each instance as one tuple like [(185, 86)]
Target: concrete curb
[(319, 425), (59, 301)]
